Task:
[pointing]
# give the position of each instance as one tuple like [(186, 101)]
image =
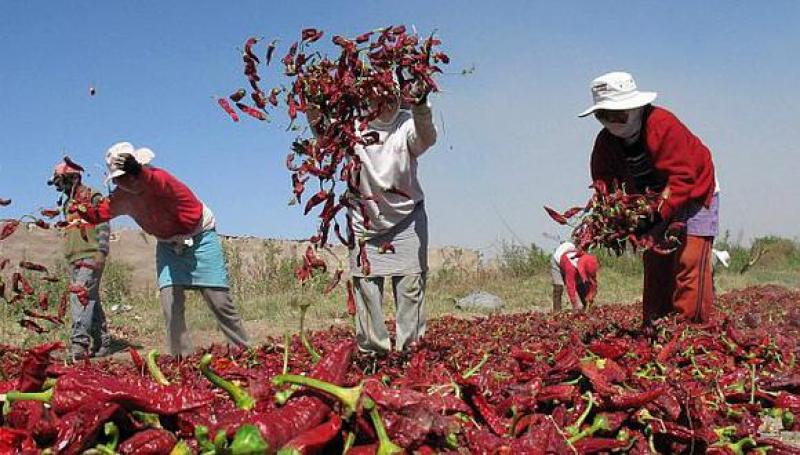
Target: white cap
[(142, 156), (617, 91)]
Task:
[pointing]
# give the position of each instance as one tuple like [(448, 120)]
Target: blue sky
[(509, 139)]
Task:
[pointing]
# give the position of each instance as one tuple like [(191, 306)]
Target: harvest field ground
[(267, 292)]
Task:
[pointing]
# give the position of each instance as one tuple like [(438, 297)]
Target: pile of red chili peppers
[(614, 219), (342, 95), (588, 382)]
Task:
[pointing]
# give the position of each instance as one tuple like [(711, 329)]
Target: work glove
[(128, 164)]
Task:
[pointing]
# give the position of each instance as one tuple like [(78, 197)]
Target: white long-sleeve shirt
[(390, 167)]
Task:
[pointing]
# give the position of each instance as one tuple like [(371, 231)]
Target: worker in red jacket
[(575, 271), (189, 252), (645, 147)]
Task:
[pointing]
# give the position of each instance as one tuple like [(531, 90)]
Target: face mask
[(628, 129)]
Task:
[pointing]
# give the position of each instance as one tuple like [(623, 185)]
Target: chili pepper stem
[(286, 342), (14, 395), (349, 396), (151, 360), (306, 343), (242, 399), (472, 371), (599, 423), (575, 428), (385, 444)]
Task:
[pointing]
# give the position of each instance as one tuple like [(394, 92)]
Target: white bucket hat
[(141, 155), (617, 91)]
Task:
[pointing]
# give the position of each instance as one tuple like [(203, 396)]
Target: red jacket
[(165, 208), (678, 156)]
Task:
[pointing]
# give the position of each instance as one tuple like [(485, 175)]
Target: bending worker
[(576, 272)]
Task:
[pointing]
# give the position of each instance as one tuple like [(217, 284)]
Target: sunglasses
[(611, 116)]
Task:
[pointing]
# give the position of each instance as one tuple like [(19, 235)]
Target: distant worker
[(576, 272), (85, 252), (189, 253), (643, 147)]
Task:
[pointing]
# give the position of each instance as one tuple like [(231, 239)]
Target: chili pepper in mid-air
[(42, 224), (270, 50), (20, 284), (351, 299), (9, 227), (252, 112), (63, 301), (50, 213), (557, 217), (248, 49), (4, 202), (238, 95), (227, 108), (73, 164), (80, 292), (337, 276), (32, 326), (27, 265), (45, 317), (309, 35), (43, 301), (4, 263)]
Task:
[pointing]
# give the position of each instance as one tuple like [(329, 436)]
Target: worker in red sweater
[(575, 271), (188, 254), (645, 147)]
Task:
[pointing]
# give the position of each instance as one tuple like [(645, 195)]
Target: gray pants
[(409, 298), (88, 322), (173, 304)]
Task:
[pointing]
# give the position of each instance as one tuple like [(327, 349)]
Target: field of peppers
[(590, 382)]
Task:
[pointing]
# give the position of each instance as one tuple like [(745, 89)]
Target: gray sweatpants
[(173, 304), (409, 298), (88, 322)]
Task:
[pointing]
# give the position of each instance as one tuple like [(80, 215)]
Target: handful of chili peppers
[(341, 94), (614, 219)]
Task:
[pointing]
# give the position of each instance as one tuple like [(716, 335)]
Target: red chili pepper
[(259, 98), (4, 202), (498, 424), (149, 441), (80, 292), (33, 266), (43, 301), (252, 112), (248, 49), (137, 360), (238, 95), (4, 262), (386, 247), (315, 200), (316, 439), (227, 108), (45, 317), (73, 164), (337, 276), (559, 218), (310, 35), (9, 227), (50, 213), (32, 326), (636, 399), (63, 302), (271, 50), (20, 284)]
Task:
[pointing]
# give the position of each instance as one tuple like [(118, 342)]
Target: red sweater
[(677, 156), (165, 207)]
